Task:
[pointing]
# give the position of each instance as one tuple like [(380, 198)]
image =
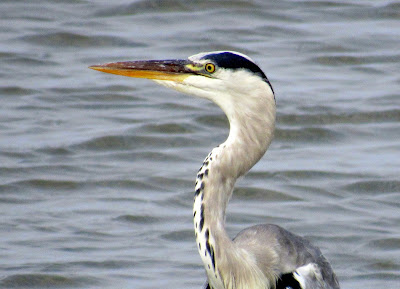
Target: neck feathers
[(249, 138)]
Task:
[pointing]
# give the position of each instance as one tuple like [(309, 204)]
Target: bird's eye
[(210, 68)]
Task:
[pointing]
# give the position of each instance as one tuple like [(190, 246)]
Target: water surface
[(97, 171)]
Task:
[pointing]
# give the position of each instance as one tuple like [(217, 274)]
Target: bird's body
[(262, 256), (293, 261)]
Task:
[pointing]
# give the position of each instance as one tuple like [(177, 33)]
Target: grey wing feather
[(294, 254)]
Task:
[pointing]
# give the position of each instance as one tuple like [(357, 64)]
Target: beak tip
[(95, 67)]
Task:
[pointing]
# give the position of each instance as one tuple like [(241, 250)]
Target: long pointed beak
[(174, 70)]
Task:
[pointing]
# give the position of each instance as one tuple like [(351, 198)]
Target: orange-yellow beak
[(173, 70)]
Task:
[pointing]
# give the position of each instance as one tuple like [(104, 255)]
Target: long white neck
[(251, 131)]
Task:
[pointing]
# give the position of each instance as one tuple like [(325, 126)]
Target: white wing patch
[(307, 274)]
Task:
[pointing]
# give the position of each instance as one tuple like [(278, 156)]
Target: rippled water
[(97, 171)]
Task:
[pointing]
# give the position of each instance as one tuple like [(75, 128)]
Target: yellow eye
[(210, 68)]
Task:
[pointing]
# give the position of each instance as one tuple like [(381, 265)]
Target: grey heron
[(262, 256)]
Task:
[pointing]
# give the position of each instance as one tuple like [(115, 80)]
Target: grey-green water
[(97, 171)]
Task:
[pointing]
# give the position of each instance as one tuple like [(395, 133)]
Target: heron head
[(225, 77)]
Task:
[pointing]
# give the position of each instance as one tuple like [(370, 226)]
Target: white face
[(222, 81), (236, 91)]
